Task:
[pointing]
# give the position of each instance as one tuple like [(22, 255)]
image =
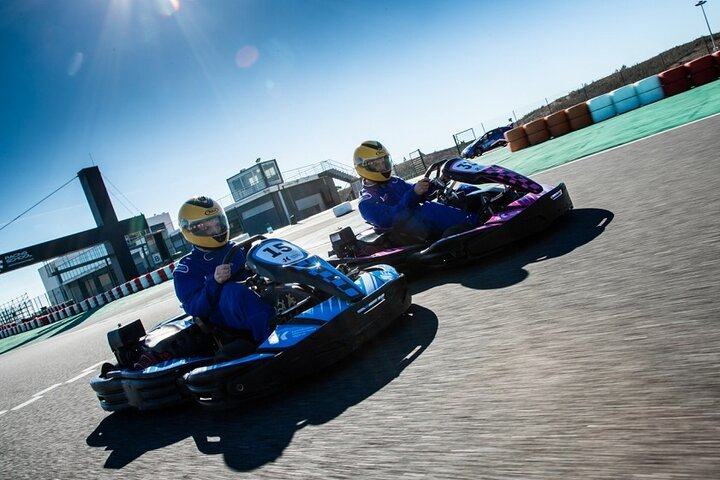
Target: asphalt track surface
[(589, 352)]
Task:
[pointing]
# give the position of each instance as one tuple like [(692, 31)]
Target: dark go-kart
[(323, 314), (512, 206)]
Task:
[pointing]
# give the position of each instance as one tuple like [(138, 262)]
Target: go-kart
[(323, 314), (512, 206)]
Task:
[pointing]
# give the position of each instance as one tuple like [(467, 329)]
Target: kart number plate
[(277, 252), (467, 167)]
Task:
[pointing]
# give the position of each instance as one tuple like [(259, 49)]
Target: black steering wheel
[(443, 191), (245, 245)]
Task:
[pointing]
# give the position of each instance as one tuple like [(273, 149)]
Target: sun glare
[(167, 7)]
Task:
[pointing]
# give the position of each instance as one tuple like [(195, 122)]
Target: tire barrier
[(537, 131), (625, 99), (649, 90), (578, 116), (670, 82), (517, 139), (65, 311), (702, 70), (675, 80), (558, 124), (601, 108)]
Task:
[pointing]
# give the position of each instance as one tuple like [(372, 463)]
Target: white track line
[(78, 377), (41, 393), (25, 404)]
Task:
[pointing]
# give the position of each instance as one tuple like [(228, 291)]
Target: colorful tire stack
[(517, 139), (578, 116), (675, 80), (558, 123), (601, 107), (649, 90), (702, 70)]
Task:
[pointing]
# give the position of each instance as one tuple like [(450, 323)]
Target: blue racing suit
[(394, 205), (231, 304)]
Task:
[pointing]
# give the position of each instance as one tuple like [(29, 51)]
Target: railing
[(318, 168)]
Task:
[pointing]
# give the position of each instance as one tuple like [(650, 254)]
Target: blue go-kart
[(323, 314)]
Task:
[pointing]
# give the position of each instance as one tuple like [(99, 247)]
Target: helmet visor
[(215, 226), (380, 165)]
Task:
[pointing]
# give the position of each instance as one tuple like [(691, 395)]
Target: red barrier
[(702, 70), (675, 80)]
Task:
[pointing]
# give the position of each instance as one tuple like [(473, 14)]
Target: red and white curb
[(135, 285)]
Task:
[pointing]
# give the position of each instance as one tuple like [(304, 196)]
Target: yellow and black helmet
[(203, 223), (372, 161)]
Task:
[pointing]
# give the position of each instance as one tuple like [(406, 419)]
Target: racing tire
[(599, 102), (647, 84), (535, 126), (519, 144), (623, 93), (651, 96), (673, 74), (558, 124), (699, 64), (603, 113), (579, 116), (625, 99), (704, 76), (539, 137), (649, 90), (516, 133), (114, 407), (678, 86)]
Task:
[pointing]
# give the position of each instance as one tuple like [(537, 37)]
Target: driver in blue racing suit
[(202, 281), (390, 204)]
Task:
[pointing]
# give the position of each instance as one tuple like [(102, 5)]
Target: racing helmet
[(203, 223), (372, 161)]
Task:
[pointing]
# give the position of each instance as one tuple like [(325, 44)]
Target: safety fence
[(59, 313)]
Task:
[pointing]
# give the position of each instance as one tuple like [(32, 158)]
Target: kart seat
[(229, 343)]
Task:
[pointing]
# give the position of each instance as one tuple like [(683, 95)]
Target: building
[(263, 200)]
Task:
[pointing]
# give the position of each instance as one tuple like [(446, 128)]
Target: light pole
[(700, 4)]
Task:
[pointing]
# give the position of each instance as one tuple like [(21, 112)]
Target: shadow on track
[(249, 438), (506, 267)]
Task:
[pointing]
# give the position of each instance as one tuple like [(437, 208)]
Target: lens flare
[(246, 56), (76, 63), (167, 7)]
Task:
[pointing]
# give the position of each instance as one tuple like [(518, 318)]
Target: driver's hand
[(422, 186), (222, 273)]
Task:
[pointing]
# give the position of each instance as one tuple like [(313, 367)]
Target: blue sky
[(171, 97)]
